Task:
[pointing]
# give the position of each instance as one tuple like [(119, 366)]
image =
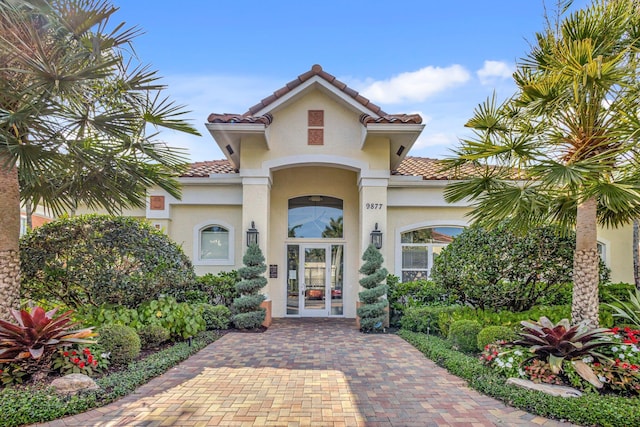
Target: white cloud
[(415, 86), (493, 71)]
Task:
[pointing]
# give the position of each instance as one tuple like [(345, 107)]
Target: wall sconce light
[(376, 237), (252, 235)]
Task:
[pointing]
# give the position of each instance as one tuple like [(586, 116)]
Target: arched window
[(420, 248), (213, 244), (316, 217)]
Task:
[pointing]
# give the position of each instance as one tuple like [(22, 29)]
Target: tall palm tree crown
[(563, 149), (78, 117)]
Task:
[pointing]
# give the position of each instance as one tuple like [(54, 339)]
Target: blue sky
[(436, 58)]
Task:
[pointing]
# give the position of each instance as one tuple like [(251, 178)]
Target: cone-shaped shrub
[(371, 312), (248, 313)]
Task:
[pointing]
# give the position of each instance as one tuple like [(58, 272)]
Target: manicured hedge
[(30, 404), (590, 409)]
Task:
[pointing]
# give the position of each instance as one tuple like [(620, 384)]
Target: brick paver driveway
[(306, 372)]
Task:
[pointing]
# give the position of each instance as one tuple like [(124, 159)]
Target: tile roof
[(365, 119), (429, 169), (316, 70), (239, 118), (204, 169)]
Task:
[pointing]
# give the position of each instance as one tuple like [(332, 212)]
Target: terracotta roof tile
[(428, 169), (204, 169), (392, 118), (316, 70), (239, 118)]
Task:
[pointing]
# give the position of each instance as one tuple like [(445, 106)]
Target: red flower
[(95, 363), (81, 365), (65, 354), (615, 330), (74, 353), (75, 360), (86, 351), (90, 359)]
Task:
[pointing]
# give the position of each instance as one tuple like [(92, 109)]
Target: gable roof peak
[(316, 70)]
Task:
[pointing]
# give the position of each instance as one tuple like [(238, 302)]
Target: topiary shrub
[(215, 316), (121, 342), (492, 334), (248, 313), (97, 259), (153, 335), (372, 310), (464, 335)]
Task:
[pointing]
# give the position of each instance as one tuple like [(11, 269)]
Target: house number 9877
[(374, 205)]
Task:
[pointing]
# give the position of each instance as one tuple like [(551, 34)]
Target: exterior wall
[(326, 181), (619, 252), (187, 219), (287, 135)]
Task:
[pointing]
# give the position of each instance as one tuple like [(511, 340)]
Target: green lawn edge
[(30, 404), (590, 409)]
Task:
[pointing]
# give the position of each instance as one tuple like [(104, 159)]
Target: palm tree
[(563, 148), (77, 118)]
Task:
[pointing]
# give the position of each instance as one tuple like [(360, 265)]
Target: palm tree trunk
[(9, 235), (636, 253), (585, 265)]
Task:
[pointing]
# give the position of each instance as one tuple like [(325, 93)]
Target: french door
[(315, 280)]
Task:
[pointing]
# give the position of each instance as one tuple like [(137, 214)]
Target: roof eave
[(229, 136), (401, 137)]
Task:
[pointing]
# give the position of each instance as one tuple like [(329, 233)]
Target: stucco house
[(318, 171)]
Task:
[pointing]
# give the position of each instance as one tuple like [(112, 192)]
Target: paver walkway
[(306, 372)]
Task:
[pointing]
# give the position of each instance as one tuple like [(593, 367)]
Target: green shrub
[(412, 294), (464, 335), (491, 334), (248, 313), (121, 342), (372, 309), (499, 269), (221, 288), (425, 319), (153, 335), (182, 319), (97, 259), (215, 316), (608, 293)]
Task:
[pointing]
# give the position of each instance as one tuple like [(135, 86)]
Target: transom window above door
[(315, 217)]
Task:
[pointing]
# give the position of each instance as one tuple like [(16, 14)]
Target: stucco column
[(373, 209), (256, 202)]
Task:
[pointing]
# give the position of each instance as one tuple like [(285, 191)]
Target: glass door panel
[(315, 280), (337, 274), (293, 284)]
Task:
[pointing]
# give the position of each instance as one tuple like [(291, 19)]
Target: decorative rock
[(550, 389), (73, 383)]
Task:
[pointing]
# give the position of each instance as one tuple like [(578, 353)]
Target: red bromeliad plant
[(557, 343), (37, 335)]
